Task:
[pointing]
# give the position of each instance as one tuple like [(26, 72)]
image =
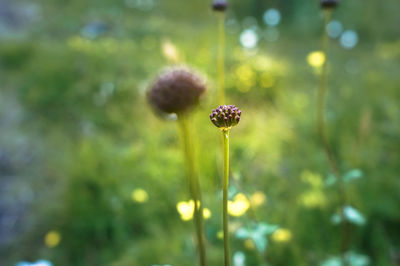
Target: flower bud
[(329, 3), (225, 116), (219, 5), (176, 91)]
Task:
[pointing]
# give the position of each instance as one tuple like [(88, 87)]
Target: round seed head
[(225, 116), (219, 5), (329, 3), (176, 91)]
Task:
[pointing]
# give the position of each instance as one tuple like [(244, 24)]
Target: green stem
[(194, 186), (345, 238), (225, 185), (221, 58)]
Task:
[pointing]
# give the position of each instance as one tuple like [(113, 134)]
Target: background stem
[(345, 236), (221, 58), (194, 186), (225, 185)]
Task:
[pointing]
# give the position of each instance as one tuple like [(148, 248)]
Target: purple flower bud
[(225, 116)]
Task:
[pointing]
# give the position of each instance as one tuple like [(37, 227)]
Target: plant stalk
[(225, 185), (321, 124), (194, 186), (221, 58)]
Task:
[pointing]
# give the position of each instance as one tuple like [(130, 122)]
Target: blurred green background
[(90, 176)]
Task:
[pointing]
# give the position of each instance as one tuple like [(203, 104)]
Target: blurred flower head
[(225, 116), (329, 3), (219, 5), (176, 91)]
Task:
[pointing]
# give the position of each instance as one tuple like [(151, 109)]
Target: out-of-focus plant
[(177, 92), (220, 6), (321, 59)]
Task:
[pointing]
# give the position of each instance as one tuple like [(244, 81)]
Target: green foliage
[(78, 137)]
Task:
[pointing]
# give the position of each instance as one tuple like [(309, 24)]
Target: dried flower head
[(225, 116), (176, 91), (219, 5), (329, 3)]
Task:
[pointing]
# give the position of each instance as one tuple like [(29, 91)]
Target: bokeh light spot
[(272, 17), (140, 195), (206, 213), (316, 59), (282, 235), (334, 29), (349, 39), (52, 239), (170, 51), (248, 38), (258, 198)]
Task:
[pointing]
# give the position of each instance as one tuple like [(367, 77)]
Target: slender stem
[(221, 58), (225, 185), (345, 238), (194, 186)]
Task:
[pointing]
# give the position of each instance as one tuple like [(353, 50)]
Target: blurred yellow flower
[(139, 195), (170, 51), (282, 235), (246, 77), (52, 239), (313, 199), (258, 198), (186, 210), (239, 205), (316, 59), (220, 234), (249, 244), (206, 213), (315, 180)]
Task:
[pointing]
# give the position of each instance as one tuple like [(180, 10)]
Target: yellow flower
[(315, 180), (282, 235), (313, 199), (206, 213), (186, 210), (239, 205), (139, 195), (170, 51), (316, 59), (220, 234), (52, 239), (258, 198)]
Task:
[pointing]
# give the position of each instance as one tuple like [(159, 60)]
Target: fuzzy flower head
[(176, 91), (325, 4), (225, 116), (219, 5)]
